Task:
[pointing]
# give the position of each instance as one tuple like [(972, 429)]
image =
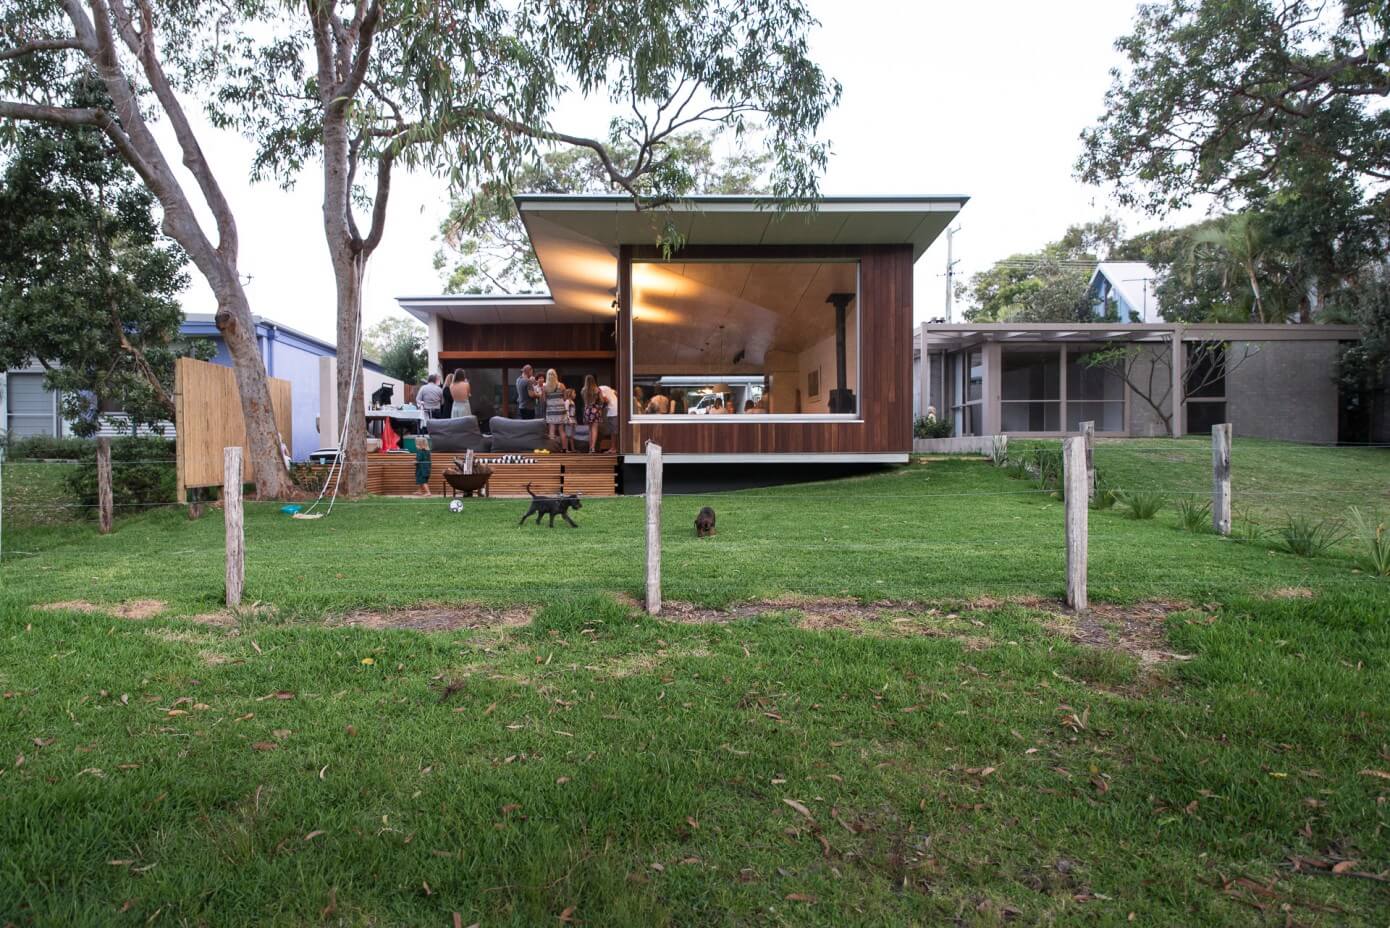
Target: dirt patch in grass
[(132, 609), (1135, 629), (437, 618), (1292, 592)]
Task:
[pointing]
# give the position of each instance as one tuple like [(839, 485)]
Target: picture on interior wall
[(813, 383)]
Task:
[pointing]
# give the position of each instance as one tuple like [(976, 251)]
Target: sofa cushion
[(461, 434), (520, 435)]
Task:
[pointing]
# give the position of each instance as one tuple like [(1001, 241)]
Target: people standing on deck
[(610, 416), (430, 398), (461, 393), (554, 392), (525, 398), (594, 406), (568, 431)]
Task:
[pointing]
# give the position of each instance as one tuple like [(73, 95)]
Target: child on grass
[(422, 465), (567, 433)]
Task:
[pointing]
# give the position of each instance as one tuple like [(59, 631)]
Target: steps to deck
[(589, 474)]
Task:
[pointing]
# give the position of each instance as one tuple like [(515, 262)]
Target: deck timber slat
[(590, 474)]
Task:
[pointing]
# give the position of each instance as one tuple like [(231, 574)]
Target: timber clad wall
[(885, 370), (506, 340)]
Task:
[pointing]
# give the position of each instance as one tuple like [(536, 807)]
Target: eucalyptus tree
[(144, 54), (471, 92), (483, 243), (88, 287)]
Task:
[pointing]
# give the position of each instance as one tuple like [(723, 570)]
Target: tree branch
[(39, 45)]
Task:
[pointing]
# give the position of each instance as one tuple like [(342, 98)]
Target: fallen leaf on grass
[(369, 661), (1344, 866), (561, 781), (568, 914), (799, 897), (510, 808), (244, 718), (264, 745), (800, 808), (278, 694), (1382, 774)]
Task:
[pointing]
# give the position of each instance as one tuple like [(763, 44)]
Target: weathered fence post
[(1077, 509), (1088, 431), (1221, 478), (653, 528), (2, 502), (104, 504), (231, 512)]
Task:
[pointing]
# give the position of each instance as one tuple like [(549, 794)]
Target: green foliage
[(1046, 286), (1141, 504), (1016, 466), (485, 248), (88, 286), (1194, 515), (1374, 540), (931, 427), (45, 448), (1265, 106), (1047, 467), (1105, 496), (1305, 536), (1363, 369), (1102, 666), (398, 345), (143, 474)]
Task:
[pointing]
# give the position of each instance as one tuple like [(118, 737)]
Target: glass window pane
[(1031, 374), (1108, 417), (1206, 371), (1091, 382), (1203, 415), (1031, 417), (712, 338), (975, 388)]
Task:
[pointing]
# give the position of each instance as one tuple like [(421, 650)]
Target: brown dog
[(704, 523)]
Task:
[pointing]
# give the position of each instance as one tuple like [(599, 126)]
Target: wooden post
[(2, 502), (104, 503), (1077, 509), (231, 512), (1088, 432), (1221, 478), (653, 528)]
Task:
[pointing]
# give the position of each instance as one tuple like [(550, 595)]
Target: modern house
[(1124, 291), (1138, 379), (765, 337), (305, 361)]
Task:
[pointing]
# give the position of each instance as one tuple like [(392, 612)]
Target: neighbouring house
[(766, 338), (1124, 291), (1041, 379), (308, 363)]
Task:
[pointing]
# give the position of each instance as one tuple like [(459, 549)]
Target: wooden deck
[(590, 474)]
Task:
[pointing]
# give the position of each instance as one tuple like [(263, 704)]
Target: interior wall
[(822, 355)]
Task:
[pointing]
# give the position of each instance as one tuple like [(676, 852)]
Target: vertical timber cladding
[(885, 366), (208, 419)]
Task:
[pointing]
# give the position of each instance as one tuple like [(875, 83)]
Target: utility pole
[(951, 263)]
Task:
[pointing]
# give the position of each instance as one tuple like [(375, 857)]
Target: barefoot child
[(567, 433), (422, 465)]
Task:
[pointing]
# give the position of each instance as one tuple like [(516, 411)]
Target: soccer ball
[(456, 505)]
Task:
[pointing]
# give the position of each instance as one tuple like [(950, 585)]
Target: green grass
[(959, 764)]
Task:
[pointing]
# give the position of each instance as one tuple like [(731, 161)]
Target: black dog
[(704, 523), (551, 506)]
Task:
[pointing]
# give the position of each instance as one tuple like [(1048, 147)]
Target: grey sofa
[(520, 435), (461, 434)]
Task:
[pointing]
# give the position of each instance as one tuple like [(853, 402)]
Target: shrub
[(1303, 536), (1142, 504), (1245, 530), (1047, 466), (143, 473), (1195, 516), (1016, 466), (1375, 543), (999, 451), (1105, 496), (922, 427), (47, 448)]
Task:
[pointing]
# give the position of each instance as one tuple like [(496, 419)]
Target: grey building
[(1045, 379)]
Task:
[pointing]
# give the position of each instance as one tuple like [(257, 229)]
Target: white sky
[(983, 99)]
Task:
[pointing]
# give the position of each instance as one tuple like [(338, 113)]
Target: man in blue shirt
[(525, 402)]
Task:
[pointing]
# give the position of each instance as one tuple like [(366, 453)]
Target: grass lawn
[(1205, 749)]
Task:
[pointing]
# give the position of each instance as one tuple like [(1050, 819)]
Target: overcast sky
[(982, 99)]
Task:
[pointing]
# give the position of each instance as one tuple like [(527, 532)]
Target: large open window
[(714, 338)]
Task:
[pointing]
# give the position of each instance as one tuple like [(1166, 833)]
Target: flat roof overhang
[(952, 336), (577, 237)]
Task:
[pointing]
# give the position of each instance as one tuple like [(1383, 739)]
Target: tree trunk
[(350, 387), (238, 330)]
